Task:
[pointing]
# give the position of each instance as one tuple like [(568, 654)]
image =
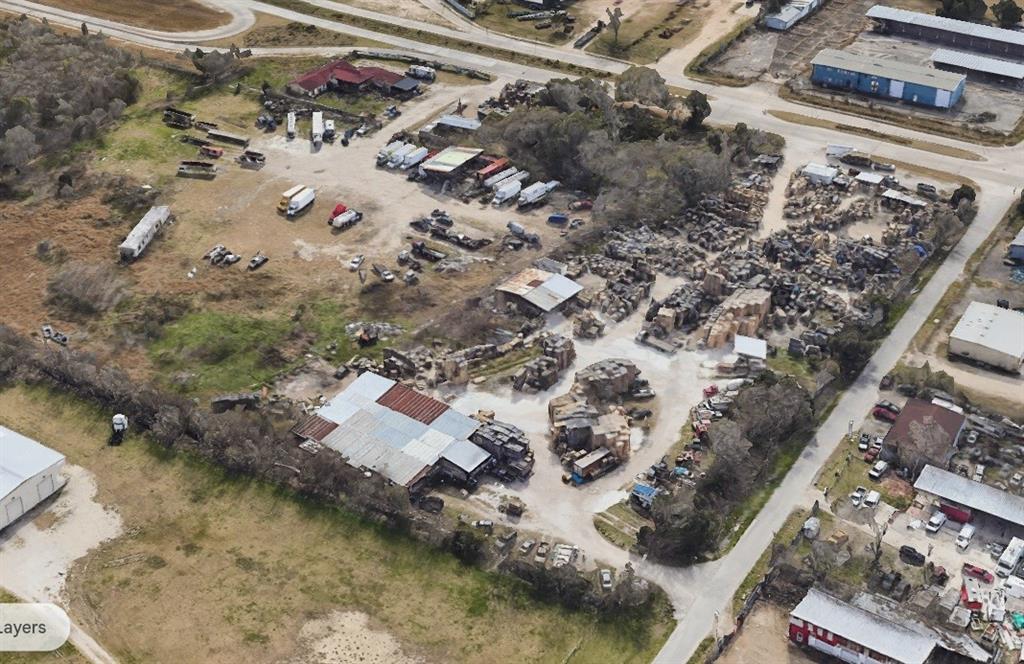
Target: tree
[(615, 22), (852, 351), (643, 85), (699, 107), (1007, 13), (963, 10), (964, 191), (18, 147), (467, 546)]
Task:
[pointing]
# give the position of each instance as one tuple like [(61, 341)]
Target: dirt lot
[(763, 639), (642, 24), (260, 571), (172, 15)]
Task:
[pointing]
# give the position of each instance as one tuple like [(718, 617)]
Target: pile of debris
[(557, 353), (509, 445), (586, 325), (367, 334), (512, 95)]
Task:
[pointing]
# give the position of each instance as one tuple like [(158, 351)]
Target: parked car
[(864, 442), (889, 406), (606, 579), (542, 552), (878, 470), (526, 547), (979, 472), (883, 414), (911, 556), (872, 499), (936, 522), (870, 455), (858, 495), (978, 573), (356, 262), (964, 537)]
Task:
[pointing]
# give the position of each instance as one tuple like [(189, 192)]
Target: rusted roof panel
[(412, 404), (314, 428)]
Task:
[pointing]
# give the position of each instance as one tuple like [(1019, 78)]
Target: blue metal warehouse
[(887, 78)]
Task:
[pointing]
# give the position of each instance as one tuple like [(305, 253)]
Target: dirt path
[(763, 639), (721, 17)]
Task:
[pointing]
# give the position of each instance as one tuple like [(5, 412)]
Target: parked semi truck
[(291, 124), (414, 158), (287, 196), (316, 129), (498, 177), (507, 193), (536, 192), (301, 202), (385, 152), (400, 154), (519, 177)]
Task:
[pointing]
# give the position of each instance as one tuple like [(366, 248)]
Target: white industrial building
[(989, 335), (29, 474), (388, 428), (820, 173), (144, 232), (790, 14)]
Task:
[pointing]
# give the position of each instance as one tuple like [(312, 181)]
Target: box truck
[(287, 197), (400, 154), (519, 177), (291, 124), (414, 158), (1011, 557), (507, 193), (499, 176), (301, 202), (385, 152), (536, 192)]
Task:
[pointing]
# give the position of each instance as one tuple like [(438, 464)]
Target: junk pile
[(512, 95), (557, 353), (509, 445), (586, 325)]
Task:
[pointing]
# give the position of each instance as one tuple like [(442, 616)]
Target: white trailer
[(291, 124), (498, 177), (399, 155), (519, 177), (316, 130), (507, 193), (414, 158), (144, 232), (536, 192), (1010, 558), (301, 202), (385, 152), (421, 72), (31, 474)]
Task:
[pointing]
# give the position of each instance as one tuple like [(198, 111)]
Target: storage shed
[(819, 173), (538, 288), (888, 79), (144, 232), (959, 34), (790, 14), (1002, 71), (989, 335), (29, 474)]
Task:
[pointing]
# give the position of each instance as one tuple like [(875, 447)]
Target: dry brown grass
[(171, 15)]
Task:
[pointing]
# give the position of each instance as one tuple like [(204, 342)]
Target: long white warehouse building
[(29, 474), (990, 335)]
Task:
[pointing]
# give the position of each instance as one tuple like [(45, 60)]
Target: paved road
[(700, 591)]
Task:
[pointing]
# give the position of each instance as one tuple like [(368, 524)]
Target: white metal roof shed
[(993, 327), (820, 170), (950, 58), (21, 459), (882, 12), (971, 494), (540, 288), (864, 628)]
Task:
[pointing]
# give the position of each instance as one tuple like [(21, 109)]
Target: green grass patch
[(224, 352), (783, 363), (701, 653), (495, 17), (613, 533)]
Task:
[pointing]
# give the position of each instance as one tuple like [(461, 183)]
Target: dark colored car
[(889, 406), (884, 414), (911, 556)]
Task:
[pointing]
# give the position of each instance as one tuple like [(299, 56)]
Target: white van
[(877, 470), (964, 537), (872, 499)]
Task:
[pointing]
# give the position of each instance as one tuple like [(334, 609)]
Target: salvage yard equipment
[(421, 72), (252, 159), (345, 219), (144, 232), (506, 193), (211, 152), (176, 117), (197, 169), (385, 274), (593, 465), (420, 248)]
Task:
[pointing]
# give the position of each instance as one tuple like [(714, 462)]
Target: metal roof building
[(545, 290), (450, 159), (819, 173), (393, 430), (993, 67), (885, 78), (990, 335), (966, 495), (29, 474), (960, 34)]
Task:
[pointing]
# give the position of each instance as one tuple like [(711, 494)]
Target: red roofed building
[(343, 75), (924, 434)]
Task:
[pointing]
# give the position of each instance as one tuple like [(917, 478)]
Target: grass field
[(639, 39), (234, 568), (170, 15)]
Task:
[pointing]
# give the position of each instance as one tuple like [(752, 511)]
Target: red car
[(978, 573), (871, 454), (884, 414)]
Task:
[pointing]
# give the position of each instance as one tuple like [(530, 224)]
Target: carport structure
[(962, 500)]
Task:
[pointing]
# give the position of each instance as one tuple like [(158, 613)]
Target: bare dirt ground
[(642, 22), (171, 15), (271, 30), (345, 637), (717, 19), (411, 9), (763, 639)]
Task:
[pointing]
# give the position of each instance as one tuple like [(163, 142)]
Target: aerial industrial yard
[(549, 330)]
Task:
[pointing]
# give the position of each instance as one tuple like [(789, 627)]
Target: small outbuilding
[(537, 288), (144, 232), (989, 335), (29, 474), (819, 173)]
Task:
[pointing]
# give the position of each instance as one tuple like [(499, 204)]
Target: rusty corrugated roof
[(411, 403), (314, 428)]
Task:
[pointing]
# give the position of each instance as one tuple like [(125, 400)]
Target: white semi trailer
[(316, 130), (144, 232), (291, 124)]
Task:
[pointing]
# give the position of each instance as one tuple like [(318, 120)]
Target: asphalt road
[(702, 591)]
